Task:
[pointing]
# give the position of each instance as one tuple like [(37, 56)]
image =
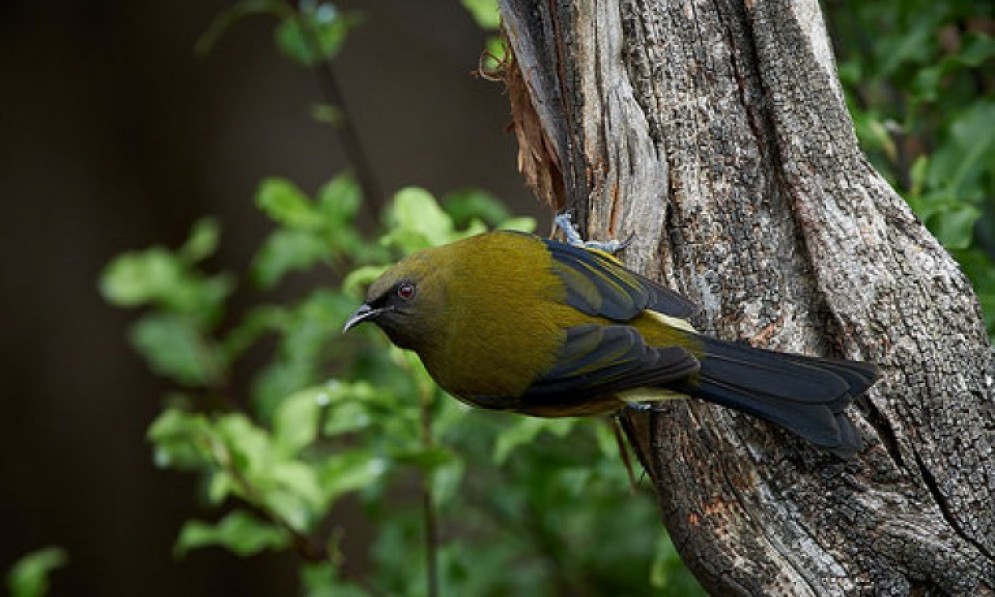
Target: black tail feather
[(805, 395)]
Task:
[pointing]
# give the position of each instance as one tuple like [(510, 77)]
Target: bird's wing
[(598, 285), (598, 360)]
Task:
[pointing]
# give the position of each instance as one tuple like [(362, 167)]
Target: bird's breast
[(505, 318)]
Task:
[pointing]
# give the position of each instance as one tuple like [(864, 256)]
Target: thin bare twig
[(428, 499), (346, 132)]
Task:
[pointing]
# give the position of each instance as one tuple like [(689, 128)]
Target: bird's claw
[(564, 221)]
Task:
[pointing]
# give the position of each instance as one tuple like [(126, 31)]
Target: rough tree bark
[(716, 132)]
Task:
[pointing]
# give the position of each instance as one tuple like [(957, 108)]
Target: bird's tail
[(805, 395)]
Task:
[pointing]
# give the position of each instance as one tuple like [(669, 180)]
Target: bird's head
[(407, 301)]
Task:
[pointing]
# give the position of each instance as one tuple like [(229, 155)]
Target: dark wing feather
[(805, 395), (787, 376), (597, 360), (598, 285)]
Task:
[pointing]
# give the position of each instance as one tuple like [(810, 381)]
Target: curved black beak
[(363, 313)]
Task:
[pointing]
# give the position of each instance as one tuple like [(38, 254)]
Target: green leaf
[(958, 165), (485, 12), (209, 295), (524, 431), (446, 481), (301, 480), (285, 251), (427, 459), (294, 494), (232, 15), (850, 72), (174, 347), (136, 278), (182, 440), (327, 114), (362, 393), (978, 49), (202, 241), (295, 421), (349, 471), (286, 204), (158, 277), (292, 40), (239, 532), (287, 488), (249, 449), (465, 205), (28, 577), (917, 178), (519, 224), (954, 226), (607, 443), (314, 34), (981, 270), (339, 200), (418, 221), (346, 417), (927, 83), (476, 227), (220, 485), (322, 580), (308, 331), (912, 45)]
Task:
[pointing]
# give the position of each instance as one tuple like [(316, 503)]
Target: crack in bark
[(761, 139), (941, 501), (885, 433)]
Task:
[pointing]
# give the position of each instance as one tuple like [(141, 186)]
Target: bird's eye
[(406, 290)]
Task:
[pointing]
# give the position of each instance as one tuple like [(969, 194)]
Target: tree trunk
[(717, 134)]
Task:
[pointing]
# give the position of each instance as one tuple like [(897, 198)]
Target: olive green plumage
[(510, 321)]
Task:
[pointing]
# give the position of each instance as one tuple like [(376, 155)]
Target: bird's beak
[(363, 313)]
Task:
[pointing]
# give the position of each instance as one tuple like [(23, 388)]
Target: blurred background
[(115, 135)]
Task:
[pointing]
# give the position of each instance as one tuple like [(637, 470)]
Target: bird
[(511, 321)]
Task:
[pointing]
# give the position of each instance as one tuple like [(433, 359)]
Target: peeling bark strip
[(716, 132), (536, 156)]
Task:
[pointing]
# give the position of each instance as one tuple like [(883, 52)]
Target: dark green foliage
[(187, 306), (522, 505), (333, 415), (308, 32), (920, 82), (28, 577)]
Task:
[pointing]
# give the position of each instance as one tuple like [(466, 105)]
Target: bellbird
[(509, 321)]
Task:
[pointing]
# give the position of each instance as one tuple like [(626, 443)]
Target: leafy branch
[(326, 416)]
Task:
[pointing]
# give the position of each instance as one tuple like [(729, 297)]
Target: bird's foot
[(641, 407), (564, 221)]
